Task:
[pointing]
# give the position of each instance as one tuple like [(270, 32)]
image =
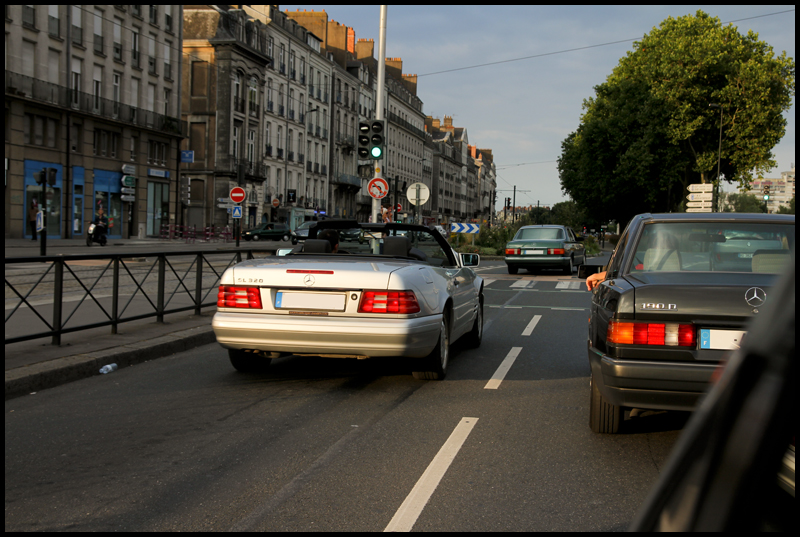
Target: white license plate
[(721, 339), (310, 301), (534, 252)]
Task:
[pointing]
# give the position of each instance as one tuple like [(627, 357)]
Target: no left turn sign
[(378, 188)]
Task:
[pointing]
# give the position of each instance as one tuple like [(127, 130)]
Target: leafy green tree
[(650, 132), (743, 203), (787, 210), (567, 213)]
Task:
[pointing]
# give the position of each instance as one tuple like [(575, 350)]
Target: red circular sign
[(399, 207), (378, 188), (237, 194), (276, 202)]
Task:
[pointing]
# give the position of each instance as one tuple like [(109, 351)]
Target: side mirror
[(470, 260)]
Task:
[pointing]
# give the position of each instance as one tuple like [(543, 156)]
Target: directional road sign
[(465, 228), (697, 210), (39, 221), (237, 211), (700, 187), (701, 204), (703, 196), (237, 195)]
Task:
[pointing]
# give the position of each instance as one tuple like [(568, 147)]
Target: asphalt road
[(187, 443)]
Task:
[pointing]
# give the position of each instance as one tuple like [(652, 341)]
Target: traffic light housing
[(371, 138), (766, 192), (51, 176)]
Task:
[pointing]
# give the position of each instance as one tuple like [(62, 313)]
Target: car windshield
[(399, 240), (533, 233), (306, 225), (713, 246)]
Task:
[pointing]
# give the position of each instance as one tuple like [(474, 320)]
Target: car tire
[(286, 238), (248, 362), (568, 268), (474, 337), (512, 270), (603, 416), (435, 364), (255, 237)]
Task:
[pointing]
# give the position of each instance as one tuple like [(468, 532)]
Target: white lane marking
[(521, 284), (529, 329), (502, 371), (568, 285), (408, 513), (487, 282)]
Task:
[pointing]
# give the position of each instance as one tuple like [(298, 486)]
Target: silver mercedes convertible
[(353, 290)]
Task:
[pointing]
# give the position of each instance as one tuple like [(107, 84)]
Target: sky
[(523, 110)]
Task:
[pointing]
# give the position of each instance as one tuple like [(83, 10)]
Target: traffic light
[(40, 177), (51, 176), (371, 138), (766, 192)]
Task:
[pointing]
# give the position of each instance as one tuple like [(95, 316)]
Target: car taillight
[(556, 251), (672, 334), (388, 302), (238, 297), (513, 251)]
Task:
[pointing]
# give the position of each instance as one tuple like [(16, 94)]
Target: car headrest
[(317, 246), (396, 246)]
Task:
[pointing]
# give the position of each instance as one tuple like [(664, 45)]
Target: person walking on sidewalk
[(32, 219)]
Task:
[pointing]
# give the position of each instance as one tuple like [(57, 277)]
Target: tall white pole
[(379, 105)]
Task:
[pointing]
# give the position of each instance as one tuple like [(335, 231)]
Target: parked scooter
[(96, 233)]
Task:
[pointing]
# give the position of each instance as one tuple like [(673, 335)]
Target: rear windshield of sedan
[(533, 233), (713, 247)]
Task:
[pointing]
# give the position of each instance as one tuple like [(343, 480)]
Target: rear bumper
[(537, 261), (650, 384), (343, 336)]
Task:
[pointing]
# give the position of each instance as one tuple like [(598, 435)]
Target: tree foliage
[(649, 131)]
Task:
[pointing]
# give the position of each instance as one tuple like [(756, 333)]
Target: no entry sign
[(237, 194), (378, 188)]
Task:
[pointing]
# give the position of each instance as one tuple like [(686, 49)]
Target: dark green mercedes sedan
[(535, 247), (268, 230)]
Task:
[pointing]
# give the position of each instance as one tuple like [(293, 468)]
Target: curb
[(54, 373)]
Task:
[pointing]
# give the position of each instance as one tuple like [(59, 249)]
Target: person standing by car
[(32, 219)]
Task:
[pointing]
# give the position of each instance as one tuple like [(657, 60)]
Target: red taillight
[(670, 334), (388, 302), (298, 271), (556, 251), (513, 251), (238, 297)]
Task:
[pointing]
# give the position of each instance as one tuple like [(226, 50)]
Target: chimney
[(351, 41), (394, 67), (365, 48), (410, 82)]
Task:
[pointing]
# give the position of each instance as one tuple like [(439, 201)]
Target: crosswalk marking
[(568, 284), (523, 284)]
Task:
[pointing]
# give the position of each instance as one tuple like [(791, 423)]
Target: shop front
[(107, 193), (51, 203)]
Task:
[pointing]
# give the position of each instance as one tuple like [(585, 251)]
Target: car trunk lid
[(314, 273)]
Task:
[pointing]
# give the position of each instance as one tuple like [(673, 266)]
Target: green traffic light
[(766, 197), (376, 152)]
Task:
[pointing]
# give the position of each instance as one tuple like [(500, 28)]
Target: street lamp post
[(715, 203)]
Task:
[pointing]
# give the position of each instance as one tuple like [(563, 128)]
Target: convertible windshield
[(534, 233), (413, 242), (711, 246)]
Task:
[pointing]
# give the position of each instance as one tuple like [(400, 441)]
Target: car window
[(534, 233), (713, 247)]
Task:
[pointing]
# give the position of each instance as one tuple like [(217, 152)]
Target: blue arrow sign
[(465, 228), (237, 211)]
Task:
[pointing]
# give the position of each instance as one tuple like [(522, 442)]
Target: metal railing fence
[(171, 281)]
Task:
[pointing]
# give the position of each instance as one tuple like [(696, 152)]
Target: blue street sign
[(40, 221), (187, 156), (465, 228), (237, 211)]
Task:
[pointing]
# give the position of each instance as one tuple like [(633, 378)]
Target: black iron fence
[(108, 289)]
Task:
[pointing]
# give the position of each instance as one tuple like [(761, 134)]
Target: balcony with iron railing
[(18, 85)]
